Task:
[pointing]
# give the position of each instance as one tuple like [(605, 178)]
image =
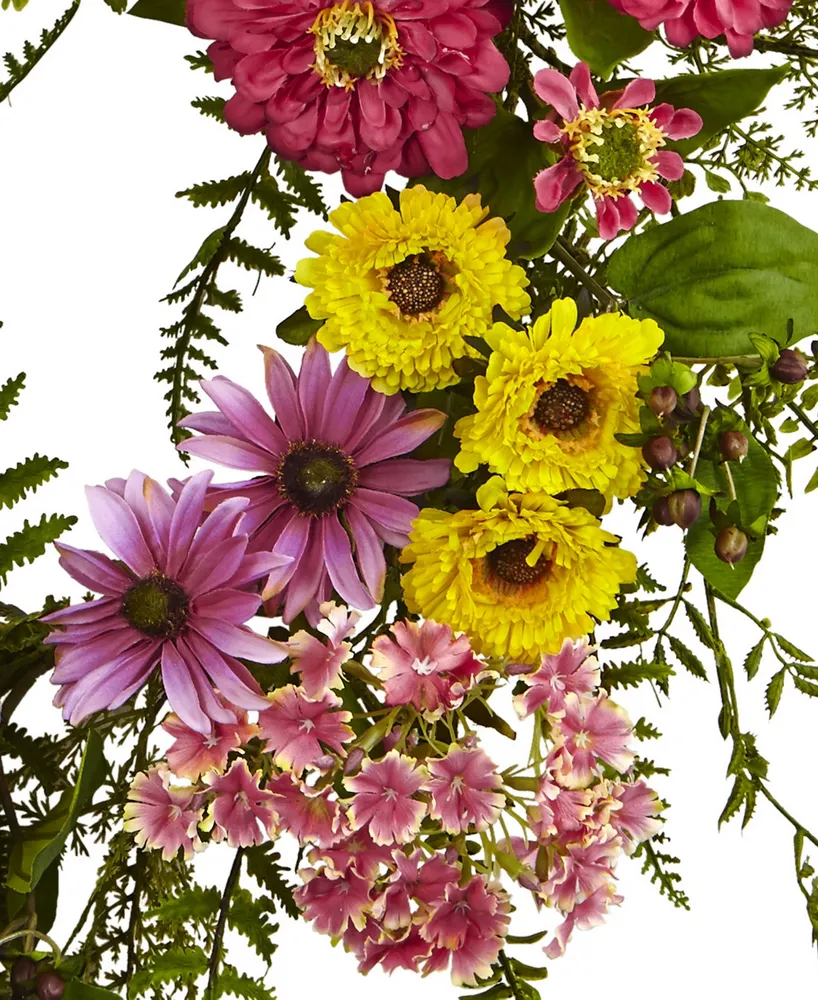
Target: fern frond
[(26, 477), (32, 54), (216, 193), (9, 391), (30, 541)]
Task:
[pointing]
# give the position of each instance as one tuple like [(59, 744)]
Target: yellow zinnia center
[(354, 41)]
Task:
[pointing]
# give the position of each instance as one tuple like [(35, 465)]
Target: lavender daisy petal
[(118, 527)]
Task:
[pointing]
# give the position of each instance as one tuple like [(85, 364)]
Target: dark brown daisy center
[(156, 606), (507, 563), (416, 285), (562, 407), (316, 477)]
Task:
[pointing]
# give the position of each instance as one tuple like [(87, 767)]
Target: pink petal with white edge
[(557, 91), (117, 526)]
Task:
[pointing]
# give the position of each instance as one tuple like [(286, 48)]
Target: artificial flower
[(241, 809), (572, 669), (176, 596), (319, 663), (463, 786), (405, 952), (553, 399), (163, 816), (193, 754), (358, 850), (311, 815), (360, 87), (612, 145), (413, 880), (518, 574), (332, 900), (383, 798), (636, 820), (399, 289), (591, 912), (297, 728), (593, 729), (331, 452)]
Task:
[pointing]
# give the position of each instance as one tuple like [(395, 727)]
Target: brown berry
[(731, 545), (791, 367), (660, 453), (734, 446), (662, 400), (688, 405), (661, 512), (22, 975), (685, 506), (49, 986)]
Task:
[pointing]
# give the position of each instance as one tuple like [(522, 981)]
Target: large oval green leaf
[(712, 277), (601, 36)]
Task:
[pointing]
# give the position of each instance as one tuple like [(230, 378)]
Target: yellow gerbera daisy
[(552, 399), (400, 290), (519, 575)]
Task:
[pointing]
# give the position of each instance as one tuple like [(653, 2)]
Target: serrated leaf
[(700, 626), (791, 649), (197, 903), (170, 966), (805, 686), (753, 658), (250, 917), (211, 107), (643, 730), (749, 805), (205, 253), (237, 984), (623, 675), (774, 690), (254, 258), (26, 477), (215, 193), (9, 394), (30, 541), (32, 54), (77, 990), (734, 800), (261, 863), (687, 658)]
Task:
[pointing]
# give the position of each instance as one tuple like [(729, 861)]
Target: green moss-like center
[(355, 58), (156, 606), (620, 153)]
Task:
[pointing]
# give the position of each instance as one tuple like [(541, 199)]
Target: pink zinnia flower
[(383, 798), (612, 145), (636, 820), (425, 666), (328, 452), (310, 815), (593, 729), (193, 754), (163, 815), (591, 912), (295, 727), (684, 20), (357, 86), (333, 900), (358, 850), (319, 663), (176, 596), (572, 669), (471, 923), (463, 786), (242, 810)]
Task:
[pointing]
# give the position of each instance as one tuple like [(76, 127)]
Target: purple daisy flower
[(333, 489), (177, 595)]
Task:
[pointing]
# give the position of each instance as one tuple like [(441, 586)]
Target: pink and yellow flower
[(241, 809), (311, 815), (298, 728), (413, 880), (593, 729), (383, 800), (334, 900), (163, 816), (591, 912), (637, 818), (358, 850), (319, 663), (463, 786), (572, 669), (193, 754)]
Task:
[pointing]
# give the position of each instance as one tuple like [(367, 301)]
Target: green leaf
[(9, 393), (480, 713), (42, 842), (600, 36), (712, 277), (169, 966), (216, 193), (753, 660), (26, 476), (234, 983), (254, 258), (792, 649), (211, 107), (757, 491), (169, 11), (700, 626), (76, 990), (504, 157), (498, 992), (687, 658), (774, 690), (720, 98), (735, 799), (528, 972), (298, 327), (623, 675), (526, 938), (32, 54), (30, 541), (197, 903), (805, 686), (250, 917), (262, 865)]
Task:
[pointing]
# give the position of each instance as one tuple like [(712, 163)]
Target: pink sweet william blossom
[(297, 728), (241, 810), (685, 20), (319, 663), (471, 924), (612, 145), (163, 816), (383, 798), (424, 665), (193, 754), (636, 819), (413, 880), (358, 850), (358, 87), (593, 729), (463, 785), (176, 596), (405, 952), (311, 815), (591, 912), (582, 869), (572, 669), (334, 900)]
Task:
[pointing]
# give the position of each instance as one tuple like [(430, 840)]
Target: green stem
[(52, 944), (746, 360), (511, 978), (39, 51), (788, 816), (810, 425), (772, 45), (561, 252), (530, 40), (221, 923)]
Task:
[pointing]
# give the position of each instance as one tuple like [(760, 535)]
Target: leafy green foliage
[(18, 69), (626, 675), (10, 394), (30, 541), (716, 275), (298, 327), (658, 865), (176, 965), (250, 917), (600, 36), (262, 865), (26, 476), (169, 11)]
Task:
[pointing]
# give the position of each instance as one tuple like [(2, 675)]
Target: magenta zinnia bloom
[(383, 798), (242, 810), (425, 666), (593, 729), (358, 87), (295, 727), (162, 815), (331, 480), (611, 144), (684, 20), (176, 596), (464, 787), (193, 754), (572, 669)]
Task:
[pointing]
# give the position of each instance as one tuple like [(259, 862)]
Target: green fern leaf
[(279, 206), (216, 193), (32, 54), (302, 184), (9, 392), (196, 904), (687, 658), (624, 675), (172, 966), (211, 107), (262, 865), (27, 476), (254, 258), (30, 541), (230, 982), (250, 917)]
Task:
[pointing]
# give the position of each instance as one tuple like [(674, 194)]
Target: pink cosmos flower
[(412, 880), (593, 729), (383, 798), (471, 923), (162, 815), (611, 144), (636, 820), (684, 20), (591, 912), (241, 810), (193, 754), (572, 669), (295, 727), (358, 850), (319, 663), (176, 596), (360, 87), (310, 815), (463, 786), (425, 666), (333, 900), (330, 451)]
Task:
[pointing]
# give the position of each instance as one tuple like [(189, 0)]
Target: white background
[(92, 149)]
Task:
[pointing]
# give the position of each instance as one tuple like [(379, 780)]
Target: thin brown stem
[(221, 923)]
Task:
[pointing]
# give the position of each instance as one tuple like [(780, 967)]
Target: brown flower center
[(562, 407), (156, 606), (507, 563), (416, 285), (316, 477)]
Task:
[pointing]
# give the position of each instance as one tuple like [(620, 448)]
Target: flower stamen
[(353, 41)]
